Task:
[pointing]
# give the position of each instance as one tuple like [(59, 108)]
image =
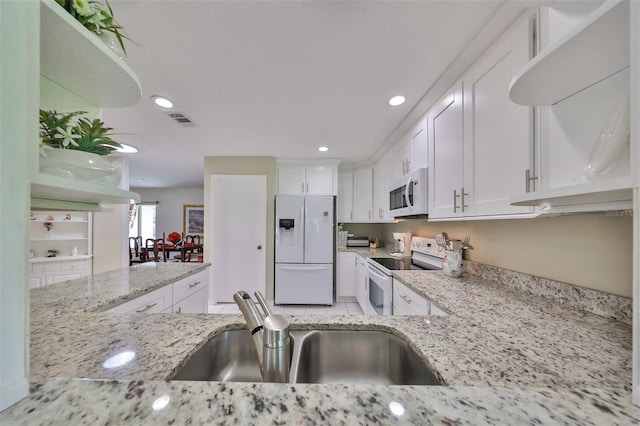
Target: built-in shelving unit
[(588, 58), (608, 194), (596, 49), (76, 59)]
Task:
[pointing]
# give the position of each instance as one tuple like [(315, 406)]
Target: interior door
[(238, 231)]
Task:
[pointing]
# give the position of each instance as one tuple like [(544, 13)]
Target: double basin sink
[(318, 356)]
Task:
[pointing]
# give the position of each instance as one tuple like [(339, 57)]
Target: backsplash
[(604, 304)]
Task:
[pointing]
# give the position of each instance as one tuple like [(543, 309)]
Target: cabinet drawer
[(190, 285), (407, 301), (45, 267), (73, 265), (156, 301)]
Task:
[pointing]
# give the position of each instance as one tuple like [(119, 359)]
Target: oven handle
[(374, 270)]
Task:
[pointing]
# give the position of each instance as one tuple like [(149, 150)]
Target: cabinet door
[(191, 294), (381, 177), (407, 301), (196, 303), (156, 301), (363, 194), (291, 180), (402, 153), (498, 133), (319, 180), (345, 196), (362, 290), (446, 156), (346, 276), (419, 149)]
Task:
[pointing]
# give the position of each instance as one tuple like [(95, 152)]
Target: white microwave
[(408, 195)]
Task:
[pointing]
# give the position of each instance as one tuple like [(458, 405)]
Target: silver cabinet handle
[(462, 204), (455, 201), (302, 189), (527, 180), (194, 284), (405, 298), (369, 214), (146, 308), (307, 186)]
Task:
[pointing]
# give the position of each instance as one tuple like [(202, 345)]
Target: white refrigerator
[(305, 249)]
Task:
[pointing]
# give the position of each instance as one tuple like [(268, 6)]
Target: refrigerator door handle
[(303, 268)]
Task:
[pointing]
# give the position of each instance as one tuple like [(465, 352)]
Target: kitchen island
[(506, 356)]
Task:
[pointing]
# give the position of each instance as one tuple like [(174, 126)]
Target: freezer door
[(319, 241), (289, 229), (304, 284)]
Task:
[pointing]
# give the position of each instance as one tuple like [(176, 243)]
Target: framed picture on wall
[(193, 218)]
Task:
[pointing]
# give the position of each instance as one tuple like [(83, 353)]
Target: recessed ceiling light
[(127, 149), (396, 100), (162, 102), (323, 149)]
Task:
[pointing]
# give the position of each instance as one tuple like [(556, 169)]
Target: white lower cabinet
[(362, 284), (56, 270), (347, 277), (159, 300), (189, 295), (408, 302)]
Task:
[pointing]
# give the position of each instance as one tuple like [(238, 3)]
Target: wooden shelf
[(616, 193), (595, 50), (76, 59), (54, 192)]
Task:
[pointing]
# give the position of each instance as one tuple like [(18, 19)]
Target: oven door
[(380, 292)]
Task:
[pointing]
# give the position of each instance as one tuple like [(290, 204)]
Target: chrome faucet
[(270, 333)]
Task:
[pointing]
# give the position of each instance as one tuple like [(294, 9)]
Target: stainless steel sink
[(227, 357), (372, 357), (319, 356)]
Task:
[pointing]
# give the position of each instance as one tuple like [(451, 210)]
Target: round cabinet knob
[(259, 247)]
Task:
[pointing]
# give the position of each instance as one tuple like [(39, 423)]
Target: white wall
[(19, 56), (169, 213)]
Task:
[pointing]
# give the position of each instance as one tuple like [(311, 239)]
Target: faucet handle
[(263, 304)]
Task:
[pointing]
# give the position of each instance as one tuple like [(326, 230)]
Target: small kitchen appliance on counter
[(426, 256), (401, 244), (353, 241)]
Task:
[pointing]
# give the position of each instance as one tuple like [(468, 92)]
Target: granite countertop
[(507, 357)]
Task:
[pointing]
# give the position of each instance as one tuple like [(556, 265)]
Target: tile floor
[(339, 308)]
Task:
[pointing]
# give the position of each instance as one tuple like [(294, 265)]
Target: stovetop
[(400, 264)]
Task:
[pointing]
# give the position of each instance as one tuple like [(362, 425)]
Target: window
[(142, 220)]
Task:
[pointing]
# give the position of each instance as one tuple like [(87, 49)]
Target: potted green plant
[(97, 18), (74, 146)]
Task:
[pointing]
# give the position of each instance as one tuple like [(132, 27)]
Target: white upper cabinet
[(383, 173), (307, 179), (345, 197), (363, 194), (402, 153), (419, 153), (446, 156), (578, 80), (498, 136)]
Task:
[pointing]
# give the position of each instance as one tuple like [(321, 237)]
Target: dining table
[(184, 249)]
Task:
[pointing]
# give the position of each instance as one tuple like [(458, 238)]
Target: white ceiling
[(280, 78)]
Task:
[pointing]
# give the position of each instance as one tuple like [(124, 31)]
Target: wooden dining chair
[(195, 253), (136, 252), (155, 249)]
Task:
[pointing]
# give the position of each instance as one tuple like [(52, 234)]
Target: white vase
[(80, 165)]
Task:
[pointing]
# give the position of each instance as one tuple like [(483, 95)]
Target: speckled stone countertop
[(507, 356)]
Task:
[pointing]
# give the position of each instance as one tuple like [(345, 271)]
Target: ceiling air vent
[(181, 119)]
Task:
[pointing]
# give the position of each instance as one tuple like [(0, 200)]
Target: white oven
[(380, 298)]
